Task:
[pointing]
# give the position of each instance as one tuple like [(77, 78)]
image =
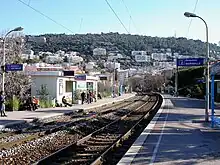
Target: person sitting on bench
[(57, 104), (65, 102), (35, 103)]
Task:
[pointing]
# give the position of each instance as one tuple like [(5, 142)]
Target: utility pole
[(176, 78), (113, 85)]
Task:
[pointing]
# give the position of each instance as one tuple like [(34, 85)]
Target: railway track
[(93, 148), (51, 121), (28, 151), (40, 129)]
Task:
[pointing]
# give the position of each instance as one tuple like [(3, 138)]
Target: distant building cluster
[(151, 61), (99, 52), (53, 58)]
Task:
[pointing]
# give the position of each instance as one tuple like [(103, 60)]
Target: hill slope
[(124, 43)]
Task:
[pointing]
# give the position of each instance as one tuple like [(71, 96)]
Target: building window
[(89, 86), (69, 86)]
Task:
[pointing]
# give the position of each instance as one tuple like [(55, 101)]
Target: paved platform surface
[(28, 116), (177, 136)]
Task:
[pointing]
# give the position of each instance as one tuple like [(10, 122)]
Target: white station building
[(62, 83)]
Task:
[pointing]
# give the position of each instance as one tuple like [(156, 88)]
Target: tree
[(43, 92), (105, 89), (187, 82), (146, 82), (31, 61), (122, 43), (16, 83)]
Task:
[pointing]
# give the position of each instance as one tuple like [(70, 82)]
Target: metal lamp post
[(3, 61), (187, 14)]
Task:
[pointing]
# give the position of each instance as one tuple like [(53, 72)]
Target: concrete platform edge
[(130, 155)]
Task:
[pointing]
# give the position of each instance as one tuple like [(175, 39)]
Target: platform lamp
[(187, 14)]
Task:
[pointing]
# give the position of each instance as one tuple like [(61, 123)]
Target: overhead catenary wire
[(44, 15), (131, 18), (194, 10), (129, 25), (80, 25), (117, 16), (41, 13)]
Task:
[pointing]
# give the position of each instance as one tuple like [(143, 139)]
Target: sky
[(162, 18)]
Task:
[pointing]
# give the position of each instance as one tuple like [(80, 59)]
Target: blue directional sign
[(13, 67), (190, 62), (80, 77)]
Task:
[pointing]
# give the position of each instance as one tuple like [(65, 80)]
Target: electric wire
[(131, 18), (117, 16), (194, 10), (41, 13), (44, 15)]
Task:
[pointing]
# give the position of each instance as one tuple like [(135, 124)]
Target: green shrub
[(8, 105), (45, 103), (106, 94), (13, 104), (16, 103)]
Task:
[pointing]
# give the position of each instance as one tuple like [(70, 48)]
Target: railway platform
[(19, 117), (176, 135)]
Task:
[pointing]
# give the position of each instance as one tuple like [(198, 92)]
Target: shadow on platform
[(184, 102), (187, 103), (181, 144), (10, 122)]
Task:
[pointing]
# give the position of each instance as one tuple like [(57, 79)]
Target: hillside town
[(86, 75), (110, 68)]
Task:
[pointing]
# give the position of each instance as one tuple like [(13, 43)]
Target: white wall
[(99, 51), (55, 83), (112, 65), (142, 58), (134, 53), (50, 82)]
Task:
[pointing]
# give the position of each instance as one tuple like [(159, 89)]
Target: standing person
[(88, 96), (83, 95), (94, 96), (2, 105)]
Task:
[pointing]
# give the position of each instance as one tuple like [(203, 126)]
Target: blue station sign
[(80, 77), (13, 67), (190, 62)]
